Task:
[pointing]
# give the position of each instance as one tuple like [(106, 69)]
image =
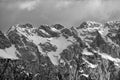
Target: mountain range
[(90, 51)]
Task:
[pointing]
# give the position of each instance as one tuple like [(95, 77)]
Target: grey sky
[(66, 12)]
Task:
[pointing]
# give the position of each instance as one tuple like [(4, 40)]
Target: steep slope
[(88, 52)]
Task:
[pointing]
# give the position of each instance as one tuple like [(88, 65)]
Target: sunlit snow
[(9, 53), (86, 52)]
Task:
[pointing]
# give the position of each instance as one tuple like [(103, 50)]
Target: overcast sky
[(65, 12)]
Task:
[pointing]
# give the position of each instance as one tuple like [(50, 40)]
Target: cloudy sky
[(66, 12)]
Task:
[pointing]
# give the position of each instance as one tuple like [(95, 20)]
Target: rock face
[(90, 51)]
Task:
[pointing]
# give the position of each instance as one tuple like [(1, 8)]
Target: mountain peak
[(89, 24)]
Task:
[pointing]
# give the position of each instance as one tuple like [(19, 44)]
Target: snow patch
[(90, 64), (59, 43), (85, 75), (86, 52), (54, 29), (106, 56), (9, 53)]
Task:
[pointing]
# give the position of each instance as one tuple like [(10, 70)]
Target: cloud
[(29, 5), (63, 3), (65, 12), (20, 4), (94, 4), (102, 9)]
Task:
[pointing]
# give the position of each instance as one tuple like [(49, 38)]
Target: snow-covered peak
[(89, 25), (90, 50)]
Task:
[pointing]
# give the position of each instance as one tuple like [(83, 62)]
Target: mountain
[(90, 51)]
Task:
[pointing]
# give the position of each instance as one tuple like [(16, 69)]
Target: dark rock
[(40, 33), (48, 47), (26, 26), (15, 38), (4, 42), (49, 31), (66, 32), (83, 25), (58, 26)]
